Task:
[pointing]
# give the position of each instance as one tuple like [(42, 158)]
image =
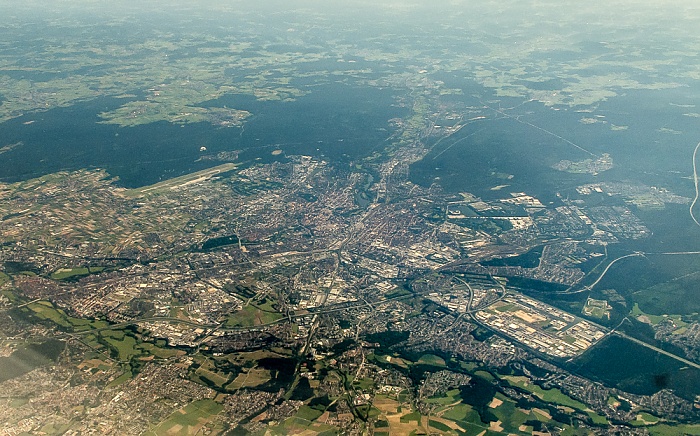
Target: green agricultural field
[(598, 419), (462, 413), (673, 430), (510, 417), (298, 425), (550, 396), (12, 296), (656, 319), (245, 317), (468, 366), (251, 316), (369, 411), (159, 352), (126, 376), (188, 420), (46, 310), (250, 379), (431, 359), (645, 419), (474, 428), (411, 417), (212, 377), (364, 384), (397, 361), (266, 305), (308, 414), (504, 307), (381, 424), (125, 346), (450, 397), (91, 340), (124, 343), (485, 375), (398, 292), (438, 425), (66, 273)]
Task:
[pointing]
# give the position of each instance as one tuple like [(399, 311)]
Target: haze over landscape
[(385, 217)]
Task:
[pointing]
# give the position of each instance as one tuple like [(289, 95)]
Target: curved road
[(695, 180), (592, 285)]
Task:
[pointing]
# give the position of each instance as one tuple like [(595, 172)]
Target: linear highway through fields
[(527, 123), (657, 349)]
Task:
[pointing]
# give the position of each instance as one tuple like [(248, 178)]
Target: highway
[(592, 285), (657, 349), (695, 180)]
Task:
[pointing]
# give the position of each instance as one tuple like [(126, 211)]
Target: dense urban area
[(248, 222), (296, 295)]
